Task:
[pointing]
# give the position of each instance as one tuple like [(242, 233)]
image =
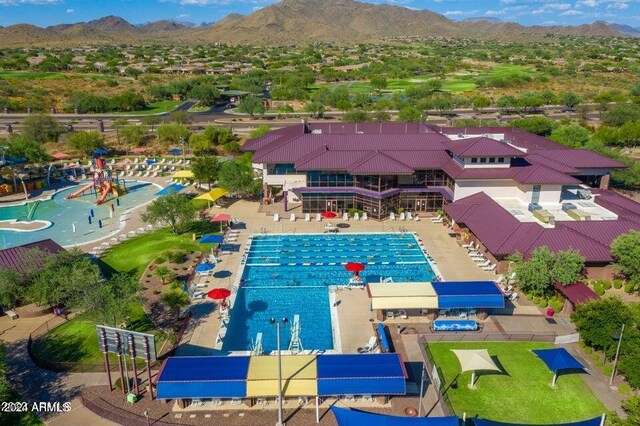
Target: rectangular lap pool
[(287, 275)]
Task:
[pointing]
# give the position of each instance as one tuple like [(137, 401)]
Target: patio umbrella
[(219, 293), (221, 217), (60, 156), (139, 150), (558, 359), (175, 151), (213, 195), (474, 360), (99, 152), (183, 174), (329, 215), (204, 267), (354, 267)]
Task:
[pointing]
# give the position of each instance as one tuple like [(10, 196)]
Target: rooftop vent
[(316, 132)]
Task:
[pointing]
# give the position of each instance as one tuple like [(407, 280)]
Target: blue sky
[(527, 12)]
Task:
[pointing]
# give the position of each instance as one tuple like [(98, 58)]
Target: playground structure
[(103, 183)]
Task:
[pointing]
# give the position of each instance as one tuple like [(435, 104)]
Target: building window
[(483, 160), (492, 160), (474, 160), (281, 169), (501, 160)]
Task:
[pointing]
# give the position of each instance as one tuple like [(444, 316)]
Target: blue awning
[(204, 267), (361, 374), (468, 294), (347, 417), (558, 359), (204, 377), (384, 342), (483, 422), (211, 239)]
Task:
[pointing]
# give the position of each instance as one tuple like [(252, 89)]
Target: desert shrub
[(629, 288), (617, 284), (607, 370), (536, 300), (597, 288), (543, 303), (556, 305), (176, 256), (162, 258), (624, 389), (606, 284)]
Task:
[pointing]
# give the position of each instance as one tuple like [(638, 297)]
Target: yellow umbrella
[(183, 174), (212, 196)]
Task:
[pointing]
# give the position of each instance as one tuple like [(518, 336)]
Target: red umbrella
[(328, 215), (139, 150), (60, 156), (219, 293), (354, 267)]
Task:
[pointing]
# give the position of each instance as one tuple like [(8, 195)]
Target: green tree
[(626, 252), (175, 299), (571, 135), (133, 135), (41, 128), (411, 114), (598, 320), (206, 94), (11, 288), (174, 209), (164, 273), (315, 108), (568, 267), (356, 116), (261, 130), (151, 121), (206, 169), (251, 105), (617, 115), (172, 133), (378, 82), (534, 275), (110, 303), (180, 117), (85, 142), (236, 176), (480, 102), (218, 135), (569, 99), (22, 147), (542, 126), (200, 144)]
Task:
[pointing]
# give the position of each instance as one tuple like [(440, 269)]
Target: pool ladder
[(32, 210)]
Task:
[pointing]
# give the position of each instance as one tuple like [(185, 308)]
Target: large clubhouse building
[(510, 190)]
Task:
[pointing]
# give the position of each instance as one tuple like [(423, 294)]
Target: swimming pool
[(174, 187), (285, 275), (63, 213)]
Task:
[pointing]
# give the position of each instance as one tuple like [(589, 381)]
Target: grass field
[(156, 108), (452, 82), (32, 75), (134, 255), (521, 394)]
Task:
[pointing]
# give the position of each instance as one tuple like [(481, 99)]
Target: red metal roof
[(577, 293), (482, 147), (18, 257)]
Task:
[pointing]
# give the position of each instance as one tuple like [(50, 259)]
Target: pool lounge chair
[(484, 264), (402, 314), (468, 246), (392, 216), (356, 216), (276, 217), (292, 218), (364, 216), (371, 344), (434, 219), (409, 216), (416, 218), (439, 220), (318, 217), (402, 216), (345, 216), (307, 217), (490, 268)]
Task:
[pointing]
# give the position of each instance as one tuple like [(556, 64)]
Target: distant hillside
[(296, 22), (626, 29), (482, 18)]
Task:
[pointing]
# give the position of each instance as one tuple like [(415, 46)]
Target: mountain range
[(297, 22)]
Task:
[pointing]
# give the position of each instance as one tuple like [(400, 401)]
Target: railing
[(117, 415), (489, 337), (436, 378)]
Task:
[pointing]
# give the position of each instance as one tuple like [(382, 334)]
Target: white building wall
[(287, 182), (493, 188)]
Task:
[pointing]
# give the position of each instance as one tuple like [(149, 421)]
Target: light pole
[(146, 415), (615, 361), (277, 323), (183, 141)]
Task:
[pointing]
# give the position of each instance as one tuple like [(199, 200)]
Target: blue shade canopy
[(99, 152), (204, 267), (468, 294), (151, 162), (558, 359), (211, 239), (175, 151), (483, 422), (346, 417)]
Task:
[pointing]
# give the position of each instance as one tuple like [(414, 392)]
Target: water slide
[(105, 193), (80, 191)]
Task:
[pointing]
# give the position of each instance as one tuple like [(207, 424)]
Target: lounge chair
[(307, 217), (484, 264), (371, 344), (468, 246), (390, 314), (434, 219), (416, 218), (276, 217), (318, 217), (364, 216), (439, 220), (292, 218), (490, 268), (402, 216), (392, 216), (345, 216), (409, 216), (356, 216), (402, 314)]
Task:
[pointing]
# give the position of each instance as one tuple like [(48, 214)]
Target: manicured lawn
[(31, 75), (156, 108), (522, 393), (134, 255)]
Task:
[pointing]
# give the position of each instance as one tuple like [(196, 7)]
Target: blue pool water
[(290, 274), (174, 187), (63, 213)]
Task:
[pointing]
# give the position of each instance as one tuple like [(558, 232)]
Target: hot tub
[(455, 325)]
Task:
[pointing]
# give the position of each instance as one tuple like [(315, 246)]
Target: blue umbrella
[(149, 162), (99, 152), (211, 239), (175, 151), (204, 267)]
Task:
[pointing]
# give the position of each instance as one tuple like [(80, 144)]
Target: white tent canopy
[(474, 360)]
